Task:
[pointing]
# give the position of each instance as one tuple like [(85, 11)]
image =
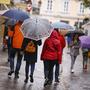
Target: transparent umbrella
[(62, 25), (36, 28)]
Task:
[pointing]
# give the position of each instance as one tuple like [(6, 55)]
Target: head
[(75, 37)]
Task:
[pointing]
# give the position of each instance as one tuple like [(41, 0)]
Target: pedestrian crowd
[(51, 54)]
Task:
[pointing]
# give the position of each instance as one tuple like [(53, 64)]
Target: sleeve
[(10, 32), (25, 41), (64, 42), (59, 52)]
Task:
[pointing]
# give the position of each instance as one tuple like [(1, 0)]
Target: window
[(49, 5), (81, 8), (66, 6)]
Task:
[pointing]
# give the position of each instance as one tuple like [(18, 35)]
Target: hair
[(56, 29), (74, 37)]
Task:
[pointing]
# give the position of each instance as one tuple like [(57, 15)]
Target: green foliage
[(86, 3)]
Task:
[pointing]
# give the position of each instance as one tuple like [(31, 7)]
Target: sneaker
[(72, 71), (10, 73), (31, 79)]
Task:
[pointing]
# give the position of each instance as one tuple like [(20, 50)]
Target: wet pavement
[(78, 81)]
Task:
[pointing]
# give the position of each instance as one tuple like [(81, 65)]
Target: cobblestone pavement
[(78, 81)]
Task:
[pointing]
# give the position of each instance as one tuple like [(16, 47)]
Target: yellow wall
[(5, 1)]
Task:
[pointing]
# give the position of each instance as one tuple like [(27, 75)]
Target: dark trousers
[(27, 68), (13, 52), (56, 71), (85, 59), (48, 69)]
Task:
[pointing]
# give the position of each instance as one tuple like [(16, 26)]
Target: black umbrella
[(80, 33)]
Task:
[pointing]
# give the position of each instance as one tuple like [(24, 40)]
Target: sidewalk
[(78, 81)]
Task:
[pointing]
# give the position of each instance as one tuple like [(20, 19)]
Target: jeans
[(85, 59), (48, 69), (27, 68), (19, 59), (73, 59), (56, 71)]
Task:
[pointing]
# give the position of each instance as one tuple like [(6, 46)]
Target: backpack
[(30, 47)]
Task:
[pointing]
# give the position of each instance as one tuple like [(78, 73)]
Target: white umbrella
[(36, 28)]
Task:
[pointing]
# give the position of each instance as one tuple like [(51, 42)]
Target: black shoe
[(26, 80), (10, 73), (47, 82), (16, 76), (31, 79), (57, 81)]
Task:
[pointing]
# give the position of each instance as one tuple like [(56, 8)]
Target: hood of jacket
[(54, 34)]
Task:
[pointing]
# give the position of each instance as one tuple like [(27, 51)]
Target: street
[(78, 81)]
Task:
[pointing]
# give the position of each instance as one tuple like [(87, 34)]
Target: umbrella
[(62, 25), (16, 14), (85, 41), (80, 33), (11, 22), (36, 28)]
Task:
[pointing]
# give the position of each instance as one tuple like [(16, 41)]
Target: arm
[(59, 52)]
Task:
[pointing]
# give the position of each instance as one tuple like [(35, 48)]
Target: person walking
[(30, 48), (17, 39), (63, 44), (51, 55), (74, 50)]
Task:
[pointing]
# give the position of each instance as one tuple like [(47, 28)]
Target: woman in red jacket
[(51, 55)]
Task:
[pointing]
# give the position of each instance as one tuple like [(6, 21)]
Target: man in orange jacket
[(17, 39)]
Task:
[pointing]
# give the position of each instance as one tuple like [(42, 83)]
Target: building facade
[(69, 11)]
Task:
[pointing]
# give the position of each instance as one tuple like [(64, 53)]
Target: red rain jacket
[(52, 48)]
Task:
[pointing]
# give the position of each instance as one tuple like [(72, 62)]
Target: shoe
[(72, 71), (16, 76), (26, 80), (10, 73), (85, 67), (57, 81), (47, 82), (31, 79)]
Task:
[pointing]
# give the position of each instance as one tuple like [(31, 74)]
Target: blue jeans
[(27, 68), (13, 52)]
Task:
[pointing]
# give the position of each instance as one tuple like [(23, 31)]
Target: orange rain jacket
[(17, 36)]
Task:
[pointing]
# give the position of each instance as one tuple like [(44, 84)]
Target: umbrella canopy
[(62, 25), (85, 41), (36, 28), (11, 22), (16, 14), (80, 33)]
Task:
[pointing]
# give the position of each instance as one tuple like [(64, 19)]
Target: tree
[(86, 3)]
